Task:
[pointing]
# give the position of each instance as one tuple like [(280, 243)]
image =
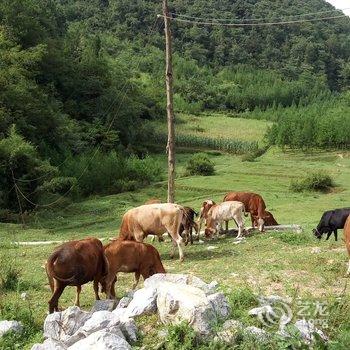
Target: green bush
[(200, 164), (59, 185), (181, 336), (251, 156), (313, 182), (108, 173)]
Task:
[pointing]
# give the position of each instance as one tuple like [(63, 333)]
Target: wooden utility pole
[(170, 148)]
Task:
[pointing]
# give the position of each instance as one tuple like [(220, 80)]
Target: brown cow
[(269, 220), (347, 240), (153, 219), (73, 264), (253, 203), (128, 256), (188, 224), (206, 205)]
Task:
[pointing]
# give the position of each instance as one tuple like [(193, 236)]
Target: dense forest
[(77, 79)]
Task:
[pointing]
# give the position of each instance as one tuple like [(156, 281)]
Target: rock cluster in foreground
[(175, 297)]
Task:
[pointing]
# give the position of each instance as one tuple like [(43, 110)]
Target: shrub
[(251, 156), (59, 185), (313, 182), (200, 164), (100, 173), (181, 336)]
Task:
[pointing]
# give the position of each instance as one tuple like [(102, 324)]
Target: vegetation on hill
[(78, 78)]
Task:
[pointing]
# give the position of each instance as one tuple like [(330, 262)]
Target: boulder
[(180, 302), (257, 333), (230, 331), (10, 326), (99, 320), (220, 305), (101, 340), (104, 305), (49, 344), (308, 330), (155, 280), (62, 325), (144, 302), (129, 329), (124, 302)]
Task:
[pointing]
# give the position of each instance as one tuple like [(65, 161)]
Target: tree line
[(78, 78)]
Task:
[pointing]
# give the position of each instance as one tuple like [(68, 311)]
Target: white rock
[(257, 333), (10, 326), (101, 340), (99, 320), (62, 325), (307, 330), (155, 280), (49, 344), (24, 296), (316, 250), (211, 247), (144, 302), (124, 302), (178, 302), (129, 329), (229, 332), (220, 305), (104, 305), (263, 310)]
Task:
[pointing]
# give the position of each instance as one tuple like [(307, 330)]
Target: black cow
[(331, 221)]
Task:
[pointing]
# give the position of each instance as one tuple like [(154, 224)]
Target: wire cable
[(174, 14)]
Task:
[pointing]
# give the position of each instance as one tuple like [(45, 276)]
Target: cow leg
[(261, 224), (53, 302), (336, 235), (173, 247), (226, 222), (137, 278), (77, 296), (110, 281), (96, 281), (191, 235), (348, 272), (328, 235)]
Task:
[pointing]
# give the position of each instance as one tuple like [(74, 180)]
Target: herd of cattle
[(78, 262)]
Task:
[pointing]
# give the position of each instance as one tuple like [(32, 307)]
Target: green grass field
[(218, 126), (272, 263)]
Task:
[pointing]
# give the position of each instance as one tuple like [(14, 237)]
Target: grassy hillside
[(279, 263), (217, 125)]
